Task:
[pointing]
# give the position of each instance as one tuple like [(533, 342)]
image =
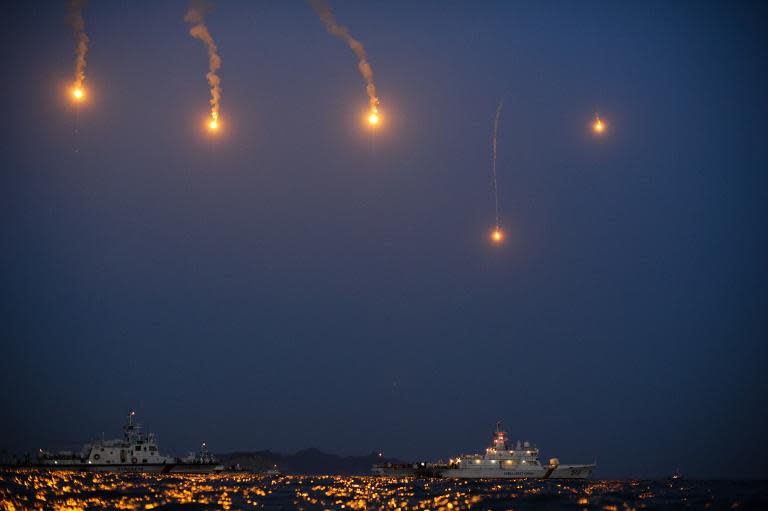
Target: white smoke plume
[(77, 24), (323, 10), (196, 18), (493, 158)]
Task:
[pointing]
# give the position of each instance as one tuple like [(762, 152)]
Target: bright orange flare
[(373, 118), (214, 124), (598, 126), (78, 93), (497, 236)]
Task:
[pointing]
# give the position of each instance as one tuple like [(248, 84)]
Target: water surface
[(42, 490)]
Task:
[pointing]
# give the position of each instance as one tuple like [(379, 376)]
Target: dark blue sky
[(298, 282)]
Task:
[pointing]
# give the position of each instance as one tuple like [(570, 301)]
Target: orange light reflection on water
[(74, 491)]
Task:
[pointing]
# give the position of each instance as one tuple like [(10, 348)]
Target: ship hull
[(558, 472), (162, 468)]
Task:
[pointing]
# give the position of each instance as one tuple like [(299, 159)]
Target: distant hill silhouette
[(307, 461)]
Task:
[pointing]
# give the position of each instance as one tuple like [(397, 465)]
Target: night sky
[(301, 281)]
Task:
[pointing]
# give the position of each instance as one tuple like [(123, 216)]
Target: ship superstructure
[(136, 451), (519, 461)]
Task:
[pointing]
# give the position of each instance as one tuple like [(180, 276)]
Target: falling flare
[(497, 235), (373, 119), (598, 126), (196, 18), (325, 14), (77, 24)]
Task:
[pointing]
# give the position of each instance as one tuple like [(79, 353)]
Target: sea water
[(32, 489)]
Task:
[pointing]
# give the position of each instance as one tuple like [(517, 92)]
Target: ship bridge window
[(152, 448), (138, 448)]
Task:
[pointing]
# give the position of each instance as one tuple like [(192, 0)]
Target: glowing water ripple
[(70, 491)]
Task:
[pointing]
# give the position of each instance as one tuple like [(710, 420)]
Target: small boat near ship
[(422, 469), (518, 462), (274, 471), (135, 452)]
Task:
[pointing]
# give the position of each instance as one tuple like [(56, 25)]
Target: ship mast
[(130, 427), (499, 438)]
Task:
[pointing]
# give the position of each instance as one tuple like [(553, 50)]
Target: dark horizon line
[(385, 459)]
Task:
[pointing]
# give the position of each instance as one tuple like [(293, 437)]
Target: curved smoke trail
[(196, 18), (323, 10), (493, 159), (77, 24)]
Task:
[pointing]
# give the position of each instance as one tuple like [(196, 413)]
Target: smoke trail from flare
[(493, 159), (196, 18), (77, 24), (323, 10)]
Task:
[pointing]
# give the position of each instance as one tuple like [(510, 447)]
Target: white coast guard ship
[(519, 462), (135, 452)]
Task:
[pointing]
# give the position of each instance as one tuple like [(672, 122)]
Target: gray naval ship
[(135, 452), (520, 461), (500, 461)]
